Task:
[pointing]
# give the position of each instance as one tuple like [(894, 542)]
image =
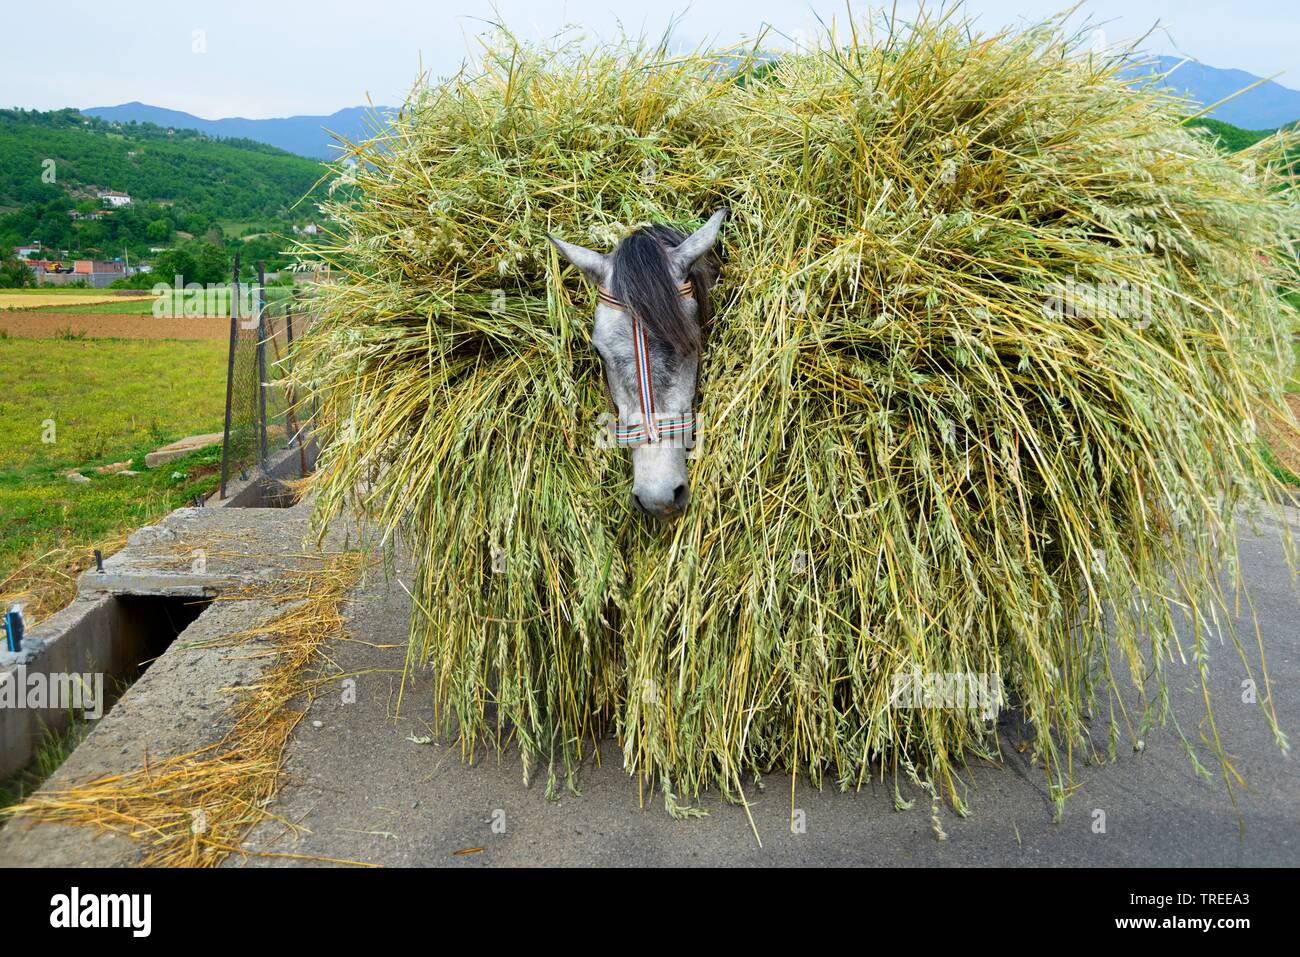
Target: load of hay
[(992, 337)]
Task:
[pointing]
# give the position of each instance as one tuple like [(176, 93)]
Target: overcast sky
[(283, 57)]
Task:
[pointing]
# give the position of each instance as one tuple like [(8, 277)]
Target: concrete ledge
[(192, 554), (266, 489), (180, 702), (94, 643), (81, 637), (179, 705), (181, 448)]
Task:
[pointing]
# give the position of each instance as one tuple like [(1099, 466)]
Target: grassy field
[(75, 404), (234, 228)]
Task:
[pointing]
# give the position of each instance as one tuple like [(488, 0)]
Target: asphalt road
[(358, 789)]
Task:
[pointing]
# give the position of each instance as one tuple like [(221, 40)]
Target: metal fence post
[(261, 360), (291, 400), (230, 371)]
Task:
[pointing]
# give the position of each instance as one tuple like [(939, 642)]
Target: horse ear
[(594, 265), (698, 243)]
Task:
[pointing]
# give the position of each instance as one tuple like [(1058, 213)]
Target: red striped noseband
[(653, 426)]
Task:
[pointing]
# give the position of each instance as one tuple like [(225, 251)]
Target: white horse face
[(659, 280), (660, 486)]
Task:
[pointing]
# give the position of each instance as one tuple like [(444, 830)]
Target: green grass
[(235, 227), (53, 750), (126, 308), (215, 305), (108, 400)]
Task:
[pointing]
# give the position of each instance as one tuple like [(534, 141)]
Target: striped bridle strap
[(652, 427), (665, 426), (685, 291)]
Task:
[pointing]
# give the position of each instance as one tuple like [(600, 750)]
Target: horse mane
[(643, 281)]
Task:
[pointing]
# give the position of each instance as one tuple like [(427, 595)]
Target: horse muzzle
[(665, 504)]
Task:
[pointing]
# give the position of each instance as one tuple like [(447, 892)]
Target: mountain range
[(1268, 106), (304, 135)]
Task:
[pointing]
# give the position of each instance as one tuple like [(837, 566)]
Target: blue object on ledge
[(13, 628)]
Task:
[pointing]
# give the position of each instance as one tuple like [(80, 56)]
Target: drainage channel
[(77, 663), (92, 652), (267, 487), (262, 491), (148, 624)]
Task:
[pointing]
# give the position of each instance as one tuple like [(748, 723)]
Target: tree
[(205, 183), (15, 274), (175, 262), (212, 263)]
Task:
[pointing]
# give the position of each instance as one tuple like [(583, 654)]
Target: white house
[(113, 198)]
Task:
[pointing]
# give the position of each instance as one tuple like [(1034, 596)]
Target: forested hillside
[(183, 184), (1231, 138)]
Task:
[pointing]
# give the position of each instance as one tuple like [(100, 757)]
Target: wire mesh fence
[(261, 419)]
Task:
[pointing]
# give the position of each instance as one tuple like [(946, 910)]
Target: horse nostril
[(636, 500), (679, 495)]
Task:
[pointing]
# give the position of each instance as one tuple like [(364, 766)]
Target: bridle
[(653, 427)]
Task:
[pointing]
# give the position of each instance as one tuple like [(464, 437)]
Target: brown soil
[(46, 325), (1284, 438)]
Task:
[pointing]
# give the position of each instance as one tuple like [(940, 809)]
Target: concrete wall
[(96, 280), (112, 636), (267, 490), (84, 637)]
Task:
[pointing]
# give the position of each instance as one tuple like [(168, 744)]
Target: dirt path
[(1283, 439)]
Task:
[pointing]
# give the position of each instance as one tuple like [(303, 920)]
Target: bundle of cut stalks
[(978, 403)]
